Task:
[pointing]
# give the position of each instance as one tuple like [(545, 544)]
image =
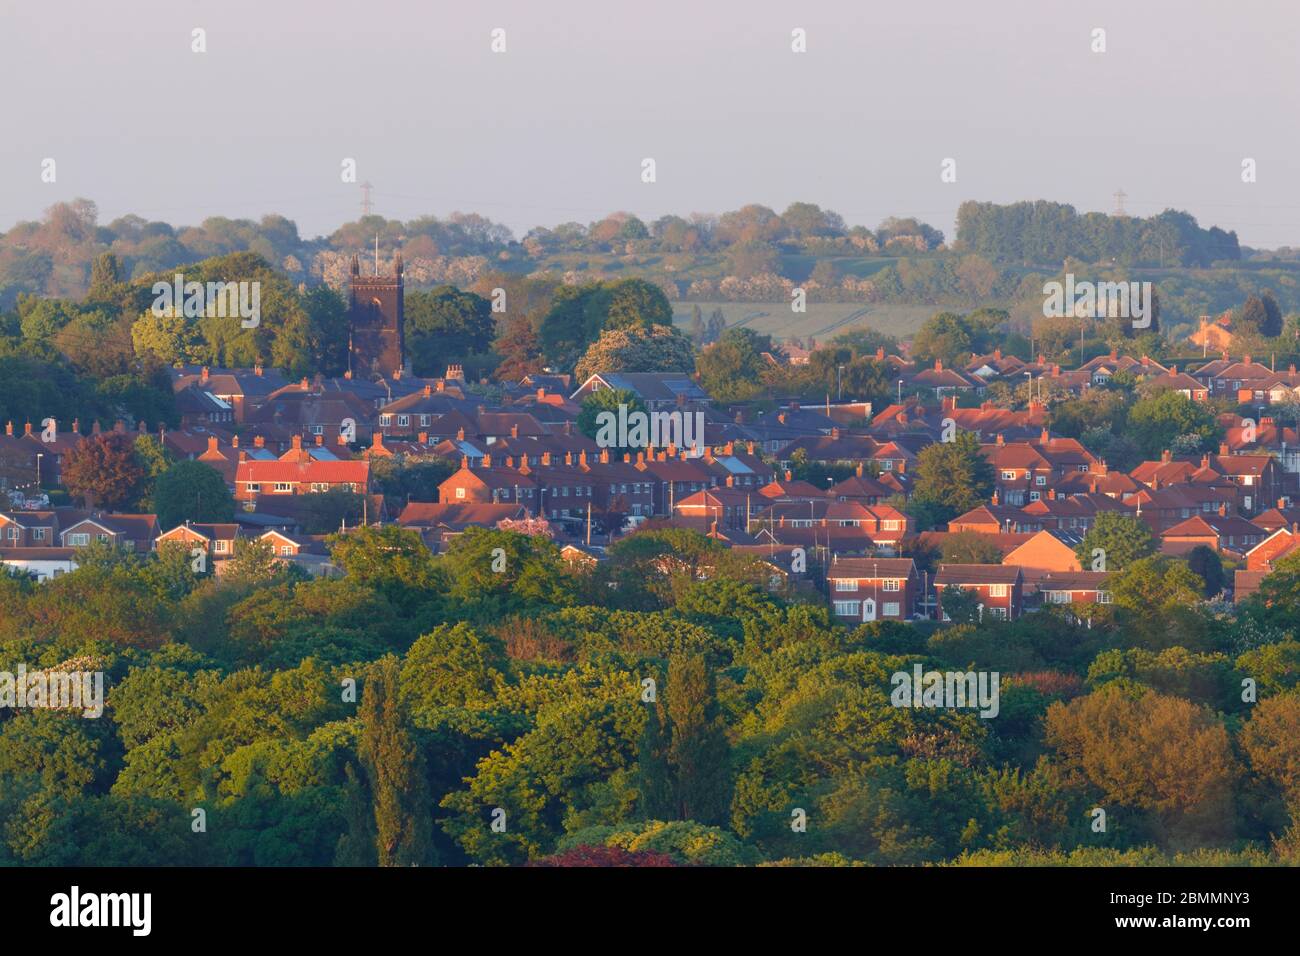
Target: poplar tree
[(653, 776), (395, 769), (698, 751)]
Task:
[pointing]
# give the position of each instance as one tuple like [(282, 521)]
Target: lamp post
[(39, 456), (839, 384)]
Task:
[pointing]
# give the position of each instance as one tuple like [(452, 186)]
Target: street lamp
[(839, 384), (39, 456)]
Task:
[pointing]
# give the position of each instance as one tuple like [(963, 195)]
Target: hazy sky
[(555, 129)]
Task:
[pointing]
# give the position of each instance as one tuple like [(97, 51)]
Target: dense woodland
[(519, 697)]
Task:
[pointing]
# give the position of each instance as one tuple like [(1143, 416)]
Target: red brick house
[(217, 540), (871, 589), (492, 483), (254, 478), (998, 587), (1069, 587)]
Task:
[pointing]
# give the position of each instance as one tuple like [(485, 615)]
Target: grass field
[(823, 320)]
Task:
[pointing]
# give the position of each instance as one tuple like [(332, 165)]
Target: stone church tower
[(377, 343)]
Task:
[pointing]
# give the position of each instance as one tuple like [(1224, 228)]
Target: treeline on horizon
[(54, 256), (1039, 232)]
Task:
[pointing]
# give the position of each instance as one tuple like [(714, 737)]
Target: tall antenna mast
[(1120, 196), (366, 205)]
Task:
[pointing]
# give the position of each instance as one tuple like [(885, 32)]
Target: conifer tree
[(653, 777), (398, 786), (698, 751)]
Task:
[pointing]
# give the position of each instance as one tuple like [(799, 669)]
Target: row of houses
[(276, 442), (45, 544)]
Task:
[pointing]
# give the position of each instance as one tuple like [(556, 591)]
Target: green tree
[(324, 512), (698, 752), (970, 547), (606, 400), (1150, 752), (1121, 538), (654, 781), (192, 491), (495, 572), (636, 303), (1156, 421), (660, 348), (1277, 600), (1206, 563), (394, 767), (731, 368), (943, 337), (446, 323), (254, 562), (950, 479)]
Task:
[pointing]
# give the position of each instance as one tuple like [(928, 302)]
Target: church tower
[(377, 343)]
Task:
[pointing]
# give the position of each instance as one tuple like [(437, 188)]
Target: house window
[(403, 420), (888, 525), (78, 540), (1040, 480), (385, 420), (223, 547), (317, 429), (1103, 597), (38, 534), (890, 609), (13, 533), (424, 419), (891, 584), (254, 487), (283, 486), (846, 584), (848, 608), (999, 613), (460, 492), (997, 590), (286, 550), (1034, 496), (1008, 476)]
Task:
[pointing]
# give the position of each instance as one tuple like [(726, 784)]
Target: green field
[(823, 320)]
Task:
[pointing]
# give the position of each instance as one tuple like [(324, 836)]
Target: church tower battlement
[(377, 342)]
